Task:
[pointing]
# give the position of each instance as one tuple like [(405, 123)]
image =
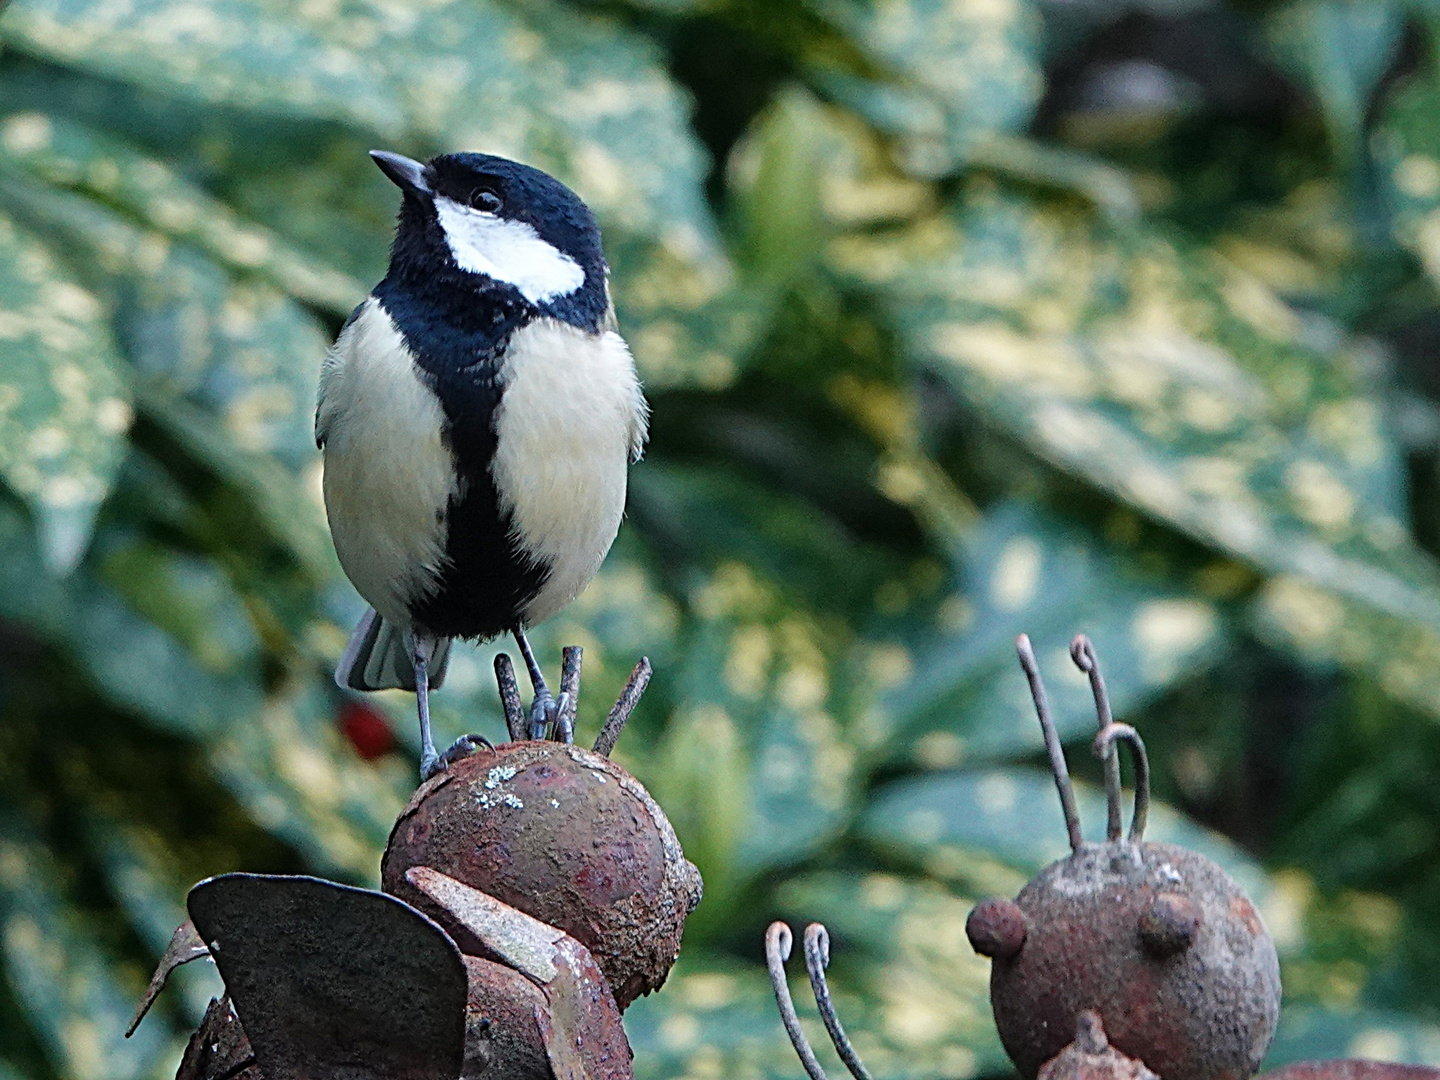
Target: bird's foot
[(462, 747), (550, 715), (556, 716)]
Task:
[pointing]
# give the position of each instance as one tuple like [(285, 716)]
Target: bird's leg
[(422, 647), (544, 709)]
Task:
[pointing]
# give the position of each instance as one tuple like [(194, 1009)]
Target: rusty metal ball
[(996, 928), (502, 1036), (1159, 942), (562, 834)]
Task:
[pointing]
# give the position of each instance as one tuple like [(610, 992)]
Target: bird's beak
[(409, 176)]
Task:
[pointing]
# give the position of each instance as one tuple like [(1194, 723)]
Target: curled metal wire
[(817, 959), (1058, 768), (1104, 744), (778, 941), (1083, 653)]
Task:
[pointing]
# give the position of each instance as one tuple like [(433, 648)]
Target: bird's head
[(480, 222)]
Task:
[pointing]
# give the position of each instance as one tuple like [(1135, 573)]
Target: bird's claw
[(550, 714), (462, 747)]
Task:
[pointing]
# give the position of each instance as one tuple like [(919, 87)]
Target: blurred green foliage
[(959, 318)]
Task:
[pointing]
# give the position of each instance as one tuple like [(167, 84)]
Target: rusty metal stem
[(510, 697), (778, 940), (571, 658), (1058, 767), (817, 959), (623, 707), (1104, 743), (1083, 653)]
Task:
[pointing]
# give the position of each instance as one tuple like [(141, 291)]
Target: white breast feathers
[(388, 474), (571, 419)]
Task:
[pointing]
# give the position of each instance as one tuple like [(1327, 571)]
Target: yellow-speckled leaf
[(1313, 1034), (569, 92), (64, 405), (299, 779), (714, 1019), (67, 156), (1407, 147), (1325, 627), (129, 661), (962, 698), (763, 702), (950, 823), (1174, 382), (976, 61), (234, 345), (64, 978)]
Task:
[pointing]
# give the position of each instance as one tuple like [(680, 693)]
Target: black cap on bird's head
[(479, 222)]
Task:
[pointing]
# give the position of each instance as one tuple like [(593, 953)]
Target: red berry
[(367, 729)]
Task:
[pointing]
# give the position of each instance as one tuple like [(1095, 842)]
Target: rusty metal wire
[(1104, 744), (817, 959), (778, 940), (571, 658), (1058, 768), (510, 697), (1083, 653), (623, 707)]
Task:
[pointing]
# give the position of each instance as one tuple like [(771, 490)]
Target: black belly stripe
[(486, 582)]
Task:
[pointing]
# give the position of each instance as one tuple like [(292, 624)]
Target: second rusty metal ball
[(1159, 942)]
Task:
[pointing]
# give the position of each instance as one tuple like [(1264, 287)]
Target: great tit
[(477, 414)]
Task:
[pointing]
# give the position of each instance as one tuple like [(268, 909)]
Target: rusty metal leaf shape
[(333, 982)]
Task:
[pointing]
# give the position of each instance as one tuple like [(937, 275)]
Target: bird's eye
[(486, 200)]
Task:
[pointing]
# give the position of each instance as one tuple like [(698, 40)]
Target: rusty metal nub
[(1083, 654), (1058, 767), (996, 928), (1168, 925), (1104, 745)]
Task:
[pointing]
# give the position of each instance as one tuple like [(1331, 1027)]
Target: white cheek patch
[(508, 251)]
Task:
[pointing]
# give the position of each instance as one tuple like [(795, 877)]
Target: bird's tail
[(377, 657)]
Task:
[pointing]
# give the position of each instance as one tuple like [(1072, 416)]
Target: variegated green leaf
[(978, 63), (1407, 148), (67, 981), (64, 405), (713, 1018), (239, 347), (129, 660), (292, 771), (70, 157), (961, 696), (572, 93), (1177, 384)]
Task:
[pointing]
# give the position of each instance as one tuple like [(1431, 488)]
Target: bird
[(477, 415)]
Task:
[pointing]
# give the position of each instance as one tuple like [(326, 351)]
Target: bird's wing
[(334, 359)]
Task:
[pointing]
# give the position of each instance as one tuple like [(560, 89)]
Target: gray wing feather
[(377, 657)]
